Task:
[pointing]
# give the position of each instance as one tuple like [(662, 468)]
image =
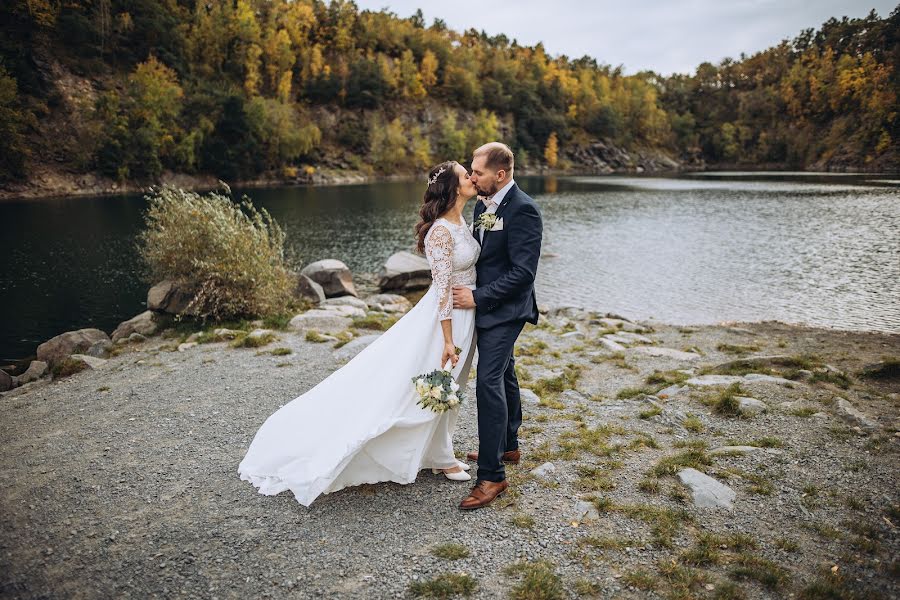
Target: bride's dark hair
[(443, 186)]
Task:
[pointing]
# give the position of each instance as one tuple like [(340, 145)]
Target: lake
[(820, 249)]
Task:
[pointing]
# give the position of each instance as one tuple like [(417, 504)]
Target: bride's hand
[(450, 354)]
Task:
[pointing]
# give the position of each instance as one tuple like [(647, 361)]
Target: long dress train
[(361, 424)]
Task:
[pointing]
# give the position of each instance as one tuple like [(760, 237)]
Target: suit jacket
[(508, 263)]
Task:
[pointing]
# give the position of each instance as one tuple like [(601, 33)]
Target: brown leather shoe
[(483, 494), (511, 457)]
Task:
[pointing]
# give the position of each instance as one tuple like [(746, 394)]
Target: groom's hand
[(462, 297)]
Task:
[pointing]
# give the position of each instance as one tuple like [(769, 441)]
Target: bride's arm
[(439, 251)]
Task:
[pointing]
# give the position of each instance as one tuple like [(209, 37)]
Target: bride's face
[(466, 187)]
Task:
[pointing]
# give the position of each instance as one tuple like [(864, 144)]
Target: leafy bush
[(234, 258)]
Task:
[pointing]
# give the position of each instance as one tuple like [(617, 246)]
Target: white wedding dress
[(362, 424)]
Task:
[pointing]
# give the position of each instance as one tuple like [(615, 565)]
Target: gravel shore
[(121, 481)]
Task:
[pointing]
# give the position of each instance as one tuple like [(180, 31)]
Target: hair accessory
[(433, 179)]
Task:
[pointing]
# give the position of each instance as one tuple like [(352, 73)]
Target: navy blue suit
[(504, 302)]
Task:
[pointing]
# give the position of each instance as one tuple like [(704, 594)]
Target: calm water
[(816, 249)]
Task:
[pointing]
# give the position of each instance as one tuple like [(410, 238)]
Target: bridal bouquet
[(437, 391)]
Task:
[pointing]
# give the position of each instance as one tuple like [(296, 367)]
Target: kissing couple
[(363, 424)]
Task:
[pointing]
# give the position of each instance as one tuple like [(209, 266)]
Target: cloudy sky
[(665, 36)]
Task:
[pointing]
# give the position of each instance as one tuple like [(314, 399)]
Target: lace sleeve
[(439, 251)]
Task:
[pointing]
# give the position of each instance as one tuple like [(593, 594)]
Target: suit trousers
[(497, 396)]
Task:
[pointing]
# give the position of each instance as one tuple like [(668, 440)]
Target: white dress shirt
[(493, 202)]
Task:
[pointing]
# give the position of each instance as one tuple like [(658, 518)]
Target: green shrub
[(233, 258)]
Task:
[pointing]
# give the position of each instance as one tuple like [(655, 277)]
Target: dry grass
[(231, 255)]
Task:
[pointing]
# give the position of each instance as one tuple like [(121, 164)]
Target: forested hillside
[(249, 89)]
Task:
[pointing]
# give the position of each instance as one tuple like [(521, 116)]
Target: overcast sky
[(665, 36)]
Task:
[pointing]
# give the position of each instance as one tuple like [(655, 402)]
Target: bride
[(362, 424)]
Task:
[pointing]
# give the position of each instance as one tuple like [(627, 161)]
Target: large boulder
[(706, 491), (404, 271), (6, 381), (171, 297), (71, 342), (35, 371), (309, 290), (145, 323), (333, 275)]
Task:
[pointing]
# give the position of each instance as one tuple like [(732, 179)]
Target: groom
[(504, 300)]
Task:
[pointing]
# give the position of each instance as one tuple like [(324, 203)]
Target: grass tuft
[(450, 551), (445, 585)]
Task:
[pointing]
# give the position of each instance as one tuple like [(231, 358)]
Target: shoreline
[(67, 185), (21, 363), (130, 468)]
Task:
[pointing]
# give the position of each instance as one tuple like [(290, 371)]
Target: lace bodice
[(452, 253)]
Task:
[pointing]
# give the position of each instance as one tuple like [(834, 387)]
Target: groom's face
[(487, 181)]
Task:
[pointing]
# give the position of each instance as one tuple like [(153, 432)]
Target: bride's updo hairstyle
[(440, 195)]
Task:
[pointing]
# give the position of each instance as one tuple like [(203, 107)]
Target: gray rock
[(260, 333), (620, 324), (144, 323), (35, 370), (91, 361), (573, 396), (136, 337), (57, 348), (355, 346), (172, 297), (572, 334), (586, 512), (344, 310), (618, 339), (705, 380), (750, 377), (328, 321), (345, 301), (544, 470), (100, 349), (672, 391), (610, 345), (666, 352), (404, 271), (309, 290), (6, 381), (333, 275), (528, 397), (750, 406), (635, 338), (565, 310), (850, 413), (186, 346), (706, 491), (389, 303)]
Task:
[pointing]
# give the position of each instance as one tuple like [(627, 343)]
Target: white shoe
[(464, 466), (458, 476)]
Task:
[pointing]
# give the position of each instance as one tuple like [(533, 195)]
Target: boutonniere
[(488, 221)]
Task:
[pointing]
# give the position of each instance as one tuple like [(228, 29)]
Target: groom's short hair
[(497, 156)]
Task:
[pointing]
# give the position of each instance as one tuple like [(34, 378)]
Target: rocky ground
[(121, 480)]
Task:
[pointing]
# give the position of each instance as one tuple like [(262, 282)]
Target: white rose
[(452, 399), (436, 393), (421, 387), (453, 385)]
